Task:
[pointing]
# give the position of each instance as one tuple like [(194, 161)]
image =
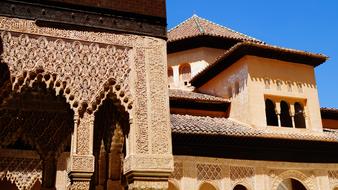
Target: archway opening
[(299, 116), (240, 187), (285, 117), (35, 127), (291, 184), (270, 113), (111, 124), (207, 186)]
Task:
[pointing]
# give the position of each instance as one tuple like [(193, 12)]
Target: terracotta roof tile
[(204, 125), (188, 95), (197, 26)]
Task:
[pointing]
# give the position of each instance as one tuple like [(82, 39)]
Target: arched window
[(285, 117), (240, 187), (299, 116), (291, 184), (185, 72), (170, 75), (271, 116), (207, 186)]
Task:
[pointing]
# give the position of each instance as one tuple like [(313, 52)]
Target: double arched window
[(284, 114)]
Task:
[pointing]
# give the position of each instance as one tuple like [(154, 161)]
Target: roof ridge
[(198, 25), (183, 22), (227, 28)]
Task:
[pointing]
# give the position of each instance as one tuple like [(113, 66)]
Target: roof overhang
[(254, 148), (329, 113), (260, 50), (197, 41)]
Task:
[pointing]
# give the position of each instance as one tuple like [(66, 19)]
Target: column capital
[(148, 167)]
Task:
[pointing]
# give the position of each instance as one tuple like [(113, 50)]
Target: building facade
[(84, 103), (245, 115), (83, 89)]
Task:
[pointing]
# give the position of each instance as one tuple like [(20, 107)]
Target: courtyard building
[(98, 95)]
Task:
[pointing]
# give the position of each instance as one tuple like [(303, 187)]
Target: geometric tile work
[(178, 171), (242, 175), (209, 172)]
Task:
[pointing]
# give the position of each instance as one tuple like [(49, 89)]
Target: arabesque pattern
[(84, 72)]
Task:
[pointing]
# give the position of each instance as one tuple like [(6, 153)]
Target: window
[(299, 116), (285, 117), (271, 116), (185, 72)]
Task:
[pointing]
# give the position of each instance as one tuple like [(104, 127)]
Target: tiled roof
[(263, 50), (203, 125), (197, 26), (188, 95)]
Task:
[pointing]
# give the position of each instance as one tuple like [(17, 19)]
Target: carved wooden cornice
[(65, 16)]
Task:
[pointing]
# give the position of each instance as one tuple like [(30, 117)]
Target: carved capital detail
[(149, 163)]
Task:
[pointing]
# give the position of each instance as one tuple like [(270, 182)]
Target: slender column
[(278, 110), (102, 168), (49, 174), (292, 114), (115, 160), (82, 163)]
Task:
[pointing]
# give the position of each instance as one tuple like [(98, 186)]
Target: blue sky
[(310, 25)]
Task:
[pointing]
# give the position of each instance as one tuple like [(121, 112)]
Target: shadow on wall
[(277, 84)]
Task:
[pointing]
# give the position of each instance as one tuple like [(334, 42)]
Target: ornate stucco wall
[(191, 172), (86, 68)]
